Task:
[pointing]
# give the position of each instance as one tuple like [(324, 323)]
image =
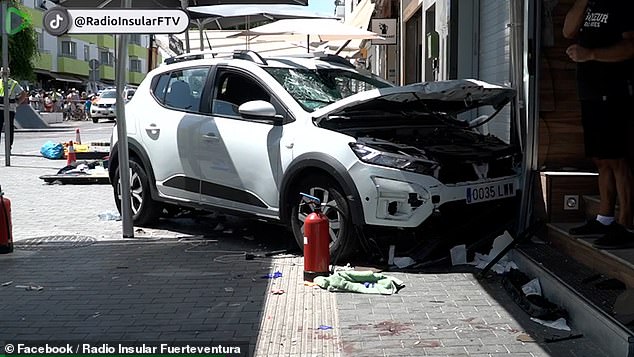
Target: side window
[(181, 89), (159, 87), (232, 90)]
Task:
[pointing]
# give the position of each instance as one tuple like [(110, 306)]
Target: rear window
[(181, 89)]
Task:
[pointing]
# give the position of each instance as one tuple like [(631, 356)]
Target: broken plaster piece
[(403, 262), (458, 255), (559, 324), (624, 304), (532, 288)]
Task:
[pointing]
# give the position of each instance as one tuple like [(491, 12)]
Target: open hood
[(451, 97)]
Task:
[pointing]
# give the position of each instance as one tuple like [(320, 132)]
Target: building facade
[(64, 62), (447, 39)]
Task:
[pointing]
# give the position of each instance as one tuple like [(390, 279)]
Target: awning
[(66, 78), (323, 29), (359, 18), (156, 4), (227, 16), (42, 72)]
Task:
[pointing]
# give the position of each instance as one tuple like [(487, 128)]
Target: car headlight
[(397, 161)]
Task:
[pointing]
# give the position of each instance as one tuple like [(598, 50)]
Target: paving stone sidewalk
[(174, 283), (447, 314), (163, 291)]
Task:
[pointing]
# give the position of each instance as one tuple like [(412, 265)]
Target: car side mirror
[(257, 109)]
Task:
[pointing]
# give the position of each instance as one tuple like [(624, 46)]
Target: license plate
[(490, 192)]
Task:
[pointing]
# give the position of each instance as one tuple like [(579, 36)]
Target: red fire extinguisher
[(316, 241), (6, 237)]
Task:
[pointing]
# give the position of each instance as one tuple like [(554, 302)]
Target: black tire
[(144, 209), (342, 242), (95, 120)]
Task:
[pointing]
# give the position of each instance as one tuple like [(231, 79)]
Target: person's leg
[(615, 150), (623, 180), (594, 135), (607, 187)]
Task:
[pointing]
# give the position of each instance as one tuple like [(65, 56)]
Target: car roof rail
[(184, 57), (249, 55), (191, 56)]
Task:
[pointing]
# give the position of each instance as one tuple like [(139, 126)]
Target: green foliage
[(22, 49)]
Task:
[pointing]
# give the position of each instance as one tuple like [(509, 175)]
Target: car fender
[(133, 147), (333, 168)]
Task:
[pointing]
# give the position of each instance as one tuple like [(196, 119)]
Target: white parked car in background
[(246, 135), (104, 107)]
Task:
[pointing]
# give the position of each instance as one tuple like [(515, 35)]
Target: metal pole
[(401, 44), (122, 133), (200, 33), (532, 35), (184, 5), (5, 83)]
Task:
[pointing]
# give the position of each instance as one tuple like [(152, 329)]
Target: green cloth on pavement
[(364, 282)]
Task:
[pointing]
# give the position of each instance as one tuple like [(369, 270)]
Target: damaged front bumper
[(395, 198)]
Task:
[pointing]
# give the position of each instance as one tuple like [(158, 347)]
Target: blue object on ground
[(275, 275), (324, 327), (51, 150)]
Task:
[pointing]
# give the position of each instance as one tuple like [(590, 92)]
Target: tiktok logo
[(56, 21)]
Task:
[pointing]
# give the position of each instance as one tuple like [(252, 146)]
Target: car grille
[(104, 105), (456, 172)]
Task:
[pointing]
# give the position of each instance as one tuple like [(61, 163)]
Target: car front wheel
[(144, 209), (334, 206)]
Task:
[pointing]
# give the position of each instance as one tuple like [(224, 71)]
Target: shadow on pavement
[(190, 289)]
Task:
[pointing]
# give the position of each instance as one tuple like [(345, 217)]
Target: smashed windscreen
[(316, 88)]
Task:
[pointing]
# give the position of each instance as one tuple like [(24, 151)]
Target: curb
[(46, 130)]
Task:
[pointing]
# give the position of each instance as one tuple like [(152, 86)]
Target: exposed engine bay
[(457, 154)]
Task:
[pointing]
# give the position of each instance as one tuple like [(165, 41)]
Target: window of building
[(135, 39), (68, 49), (86, 52), (135, 65), (106, 57), (40, 41)]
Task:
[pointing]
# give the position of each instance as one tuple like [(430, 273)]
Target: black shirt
[(604, 23)]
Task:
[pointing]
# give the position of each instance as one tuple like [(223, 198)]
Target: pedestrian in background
[(17, 95), (604, 54), (87, 105)]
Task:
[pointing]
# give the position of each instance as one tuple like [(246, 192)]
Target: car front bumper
[(395, 198), (102, 112)]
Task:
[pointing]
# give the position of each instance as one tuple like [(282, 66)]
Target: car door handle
[(210, 137)]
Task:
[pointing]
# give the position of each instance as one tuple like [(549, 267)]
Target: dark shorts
[(606, 126)]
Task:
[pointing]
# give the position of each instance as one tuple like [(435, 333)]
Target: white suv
[(246, 135)]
